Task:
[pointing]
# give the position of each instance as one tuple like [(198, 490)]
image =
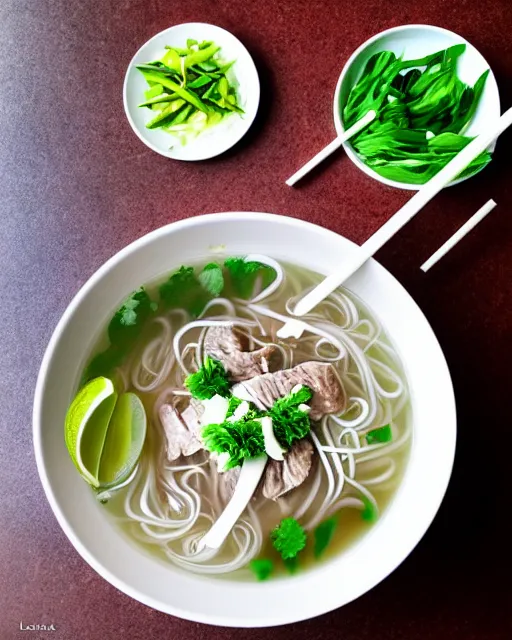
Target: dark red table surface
[(77, 186)]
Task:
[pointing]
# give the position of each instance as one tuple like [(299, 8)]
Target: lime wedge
[(105, 434), (124, 441), (86, 426)]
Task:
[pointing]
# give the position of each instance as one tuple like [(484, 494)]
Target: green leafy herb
[(243, 438), (414, 110), (234, 403), (244, 274), (123, 329), (103, 364), (382, 434), (288, 538), (211, 279), (370, 512), (289, 422), (184, 291), (323, 535), (211, 379), (129, 318), (240, 439), (262, 568)]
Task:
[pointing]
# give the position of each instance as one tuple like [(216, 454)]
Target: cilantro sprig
[(243, 438), (288, 538), (210, 380), (243, 275)]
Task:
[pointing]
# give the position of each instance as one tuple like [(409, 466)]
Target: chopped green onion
[(382, 434)]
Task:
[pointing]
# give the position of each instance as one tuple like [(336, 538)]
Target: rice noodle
[(172, 505)]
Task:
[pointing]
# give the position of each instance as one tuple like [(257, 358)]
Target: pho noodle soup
[(319, 425)]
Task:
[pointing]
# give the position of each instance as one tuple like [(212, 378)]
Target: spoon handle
[(403, 215), (331, 147), (250, 475)]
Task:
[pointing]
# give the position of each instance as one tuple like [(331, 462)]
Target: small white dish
[(218, 138), (230, 601), (415, 41)]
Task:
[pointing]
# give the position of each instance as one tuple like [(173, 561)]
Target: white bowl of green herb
[(428, 106), (191, 92)]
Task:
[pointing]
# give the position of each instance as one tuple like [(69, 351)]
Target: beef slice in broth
[(320, 377), (179, 439), (230, 346), (282, 477)]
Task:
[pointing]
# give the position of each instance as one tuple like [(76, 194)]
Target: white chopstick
[(331, 147), (458, 235)]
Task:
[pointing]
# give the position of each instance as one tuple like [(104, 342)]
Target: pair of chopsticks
[(294, 327)]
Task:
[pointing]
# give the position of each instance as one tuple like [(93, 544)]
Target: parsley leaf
[(288, 421), (382, 434), (126, 324), (262, 568), (234, 403), (240, 439), (211, 279), (244, 274), (323, 535), (211, 379), (184, 291), (288, 538)]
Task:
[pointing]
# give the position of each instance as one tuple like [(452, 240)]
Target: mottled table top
[(77, 185)]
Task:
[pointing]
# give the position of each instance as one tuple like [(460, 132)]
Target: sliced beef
[(230, 346), (281, 477), (191, 416), (321, 377), (180, 440), (227, 483)]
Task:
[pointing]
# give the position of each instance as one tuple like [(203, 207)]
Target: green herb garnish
[(370, 512), (211, 279), (234, 403), (262, 568), (243, 438), (288, 421), (288, 538), (103, 364), (123, 329), (184, 291), (323, 535), (421, 115), (210, 380), (129, 318), (382, 434), (240, 439), (243, 275)]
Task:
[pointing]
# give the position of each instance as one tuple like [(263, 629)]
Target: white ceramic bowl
[(218, 138), (223, 601), (415, 41)]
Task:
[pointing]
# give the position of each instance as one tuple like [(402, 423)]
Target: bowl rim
[(90, 558), (256, 90), (336, 111)]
